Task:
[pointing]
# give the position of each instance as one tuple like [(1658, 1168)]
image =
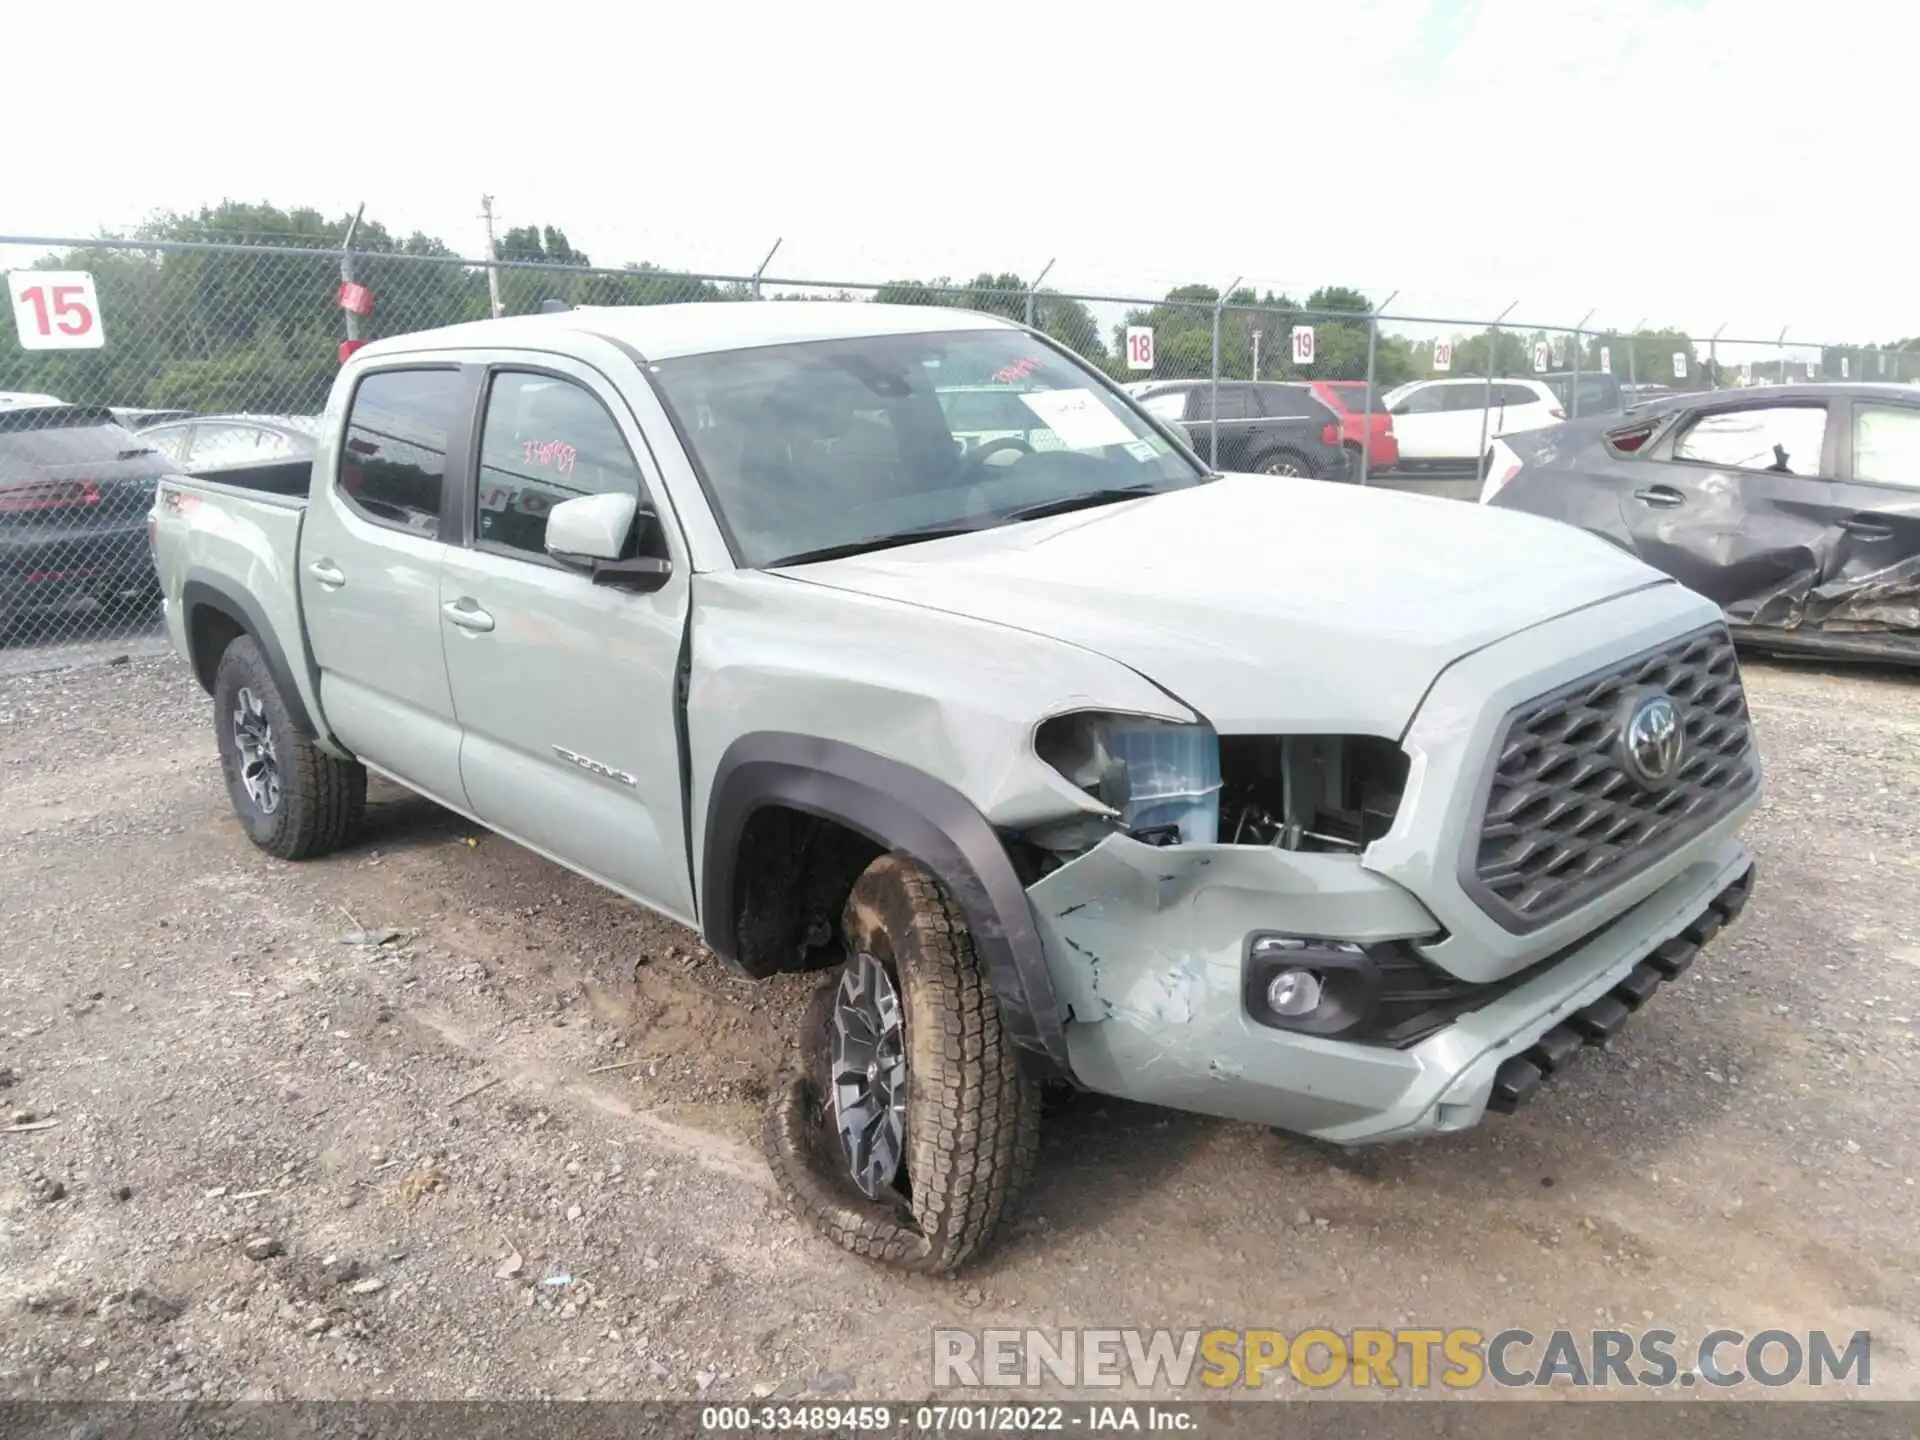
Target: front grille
[(1564, 819)]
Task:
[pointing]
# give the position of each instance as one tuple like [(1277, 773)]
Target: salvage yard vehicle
[(1364, 421), (1795, 508), (1330, 809), (209, 444), (1266, 426), (75, 489), (1442, 424)]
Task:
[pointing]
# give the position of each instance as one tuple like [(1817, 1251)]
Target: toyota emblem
[(1652, 739)]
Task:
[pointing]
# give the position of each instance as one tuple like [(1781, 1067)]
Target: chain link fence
[(204, 355)]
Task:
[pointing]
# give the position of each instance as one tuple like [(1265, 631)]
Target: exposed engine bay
[(1171, 784), (1309, 792)]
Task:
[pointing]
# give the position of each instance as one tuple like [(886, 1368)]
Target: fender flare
[(203, 593), (905, 811)]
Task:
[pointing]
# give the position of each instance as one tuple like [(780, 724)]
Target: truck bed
[(280, 477), (226, 547)]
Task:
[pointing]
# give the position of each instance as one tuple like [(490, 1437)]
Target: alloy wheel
[(869, 1075), (253, 742)]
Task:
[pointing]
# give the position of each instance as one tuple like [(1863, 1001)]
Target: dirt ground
[(434, 1118)]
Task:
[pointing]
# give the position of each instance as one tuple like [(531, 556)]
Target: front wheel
[(294, 800), (910, 1129)]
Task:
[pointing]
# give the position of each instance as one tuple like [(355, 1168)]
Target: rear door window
[(1235, 403), (1289, 401), (545, 440), (393, 462), (1783, 439), (1514, 395), (1886, 445)]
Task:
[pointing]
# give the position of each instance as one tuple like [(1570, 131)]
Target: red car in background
[(1363, 424)]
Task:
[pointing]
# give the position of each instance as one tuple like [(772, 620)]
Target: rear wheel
[(1286, 462), (910, 1129), (294, 800)]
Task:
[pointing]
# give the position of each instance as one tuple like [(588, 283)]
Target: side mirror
[(591, 533)]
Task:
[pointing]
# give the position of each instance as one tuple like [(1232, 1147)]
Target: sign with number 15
[(55, 310)]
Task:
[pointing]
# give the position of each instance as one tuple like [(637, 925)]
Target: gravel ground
[(434, 1118)]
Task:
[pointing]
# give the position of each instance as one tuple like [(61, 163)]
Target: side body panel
[(234, 553), (566, 701), (370, 594)]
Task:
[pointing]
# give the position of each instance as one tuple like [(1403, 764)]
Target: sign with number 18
[(1140, 347), (55, 310)]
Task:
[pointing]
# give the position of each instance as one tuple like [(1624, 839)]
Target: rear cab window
[(545, 439), (393, 460)]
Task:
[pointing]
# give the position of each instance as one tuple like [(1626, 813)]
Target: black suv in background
[(75, 488), (1266, 427)]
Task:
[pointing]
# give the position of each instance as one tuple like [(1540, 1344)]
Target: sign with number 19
[(55, 310)]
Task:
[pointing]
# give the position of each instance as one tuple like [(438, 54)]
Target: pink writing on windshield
[(553, 454)]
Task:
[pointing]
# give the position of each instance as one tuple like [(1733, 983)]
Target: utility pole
[(493, 271)]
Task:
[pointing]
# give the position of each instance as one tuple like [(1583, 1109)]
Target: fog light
[(1311, 985), (1294, 993)]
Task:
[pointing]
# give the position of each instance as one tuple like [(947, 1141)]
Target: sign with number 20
[(55, 310)]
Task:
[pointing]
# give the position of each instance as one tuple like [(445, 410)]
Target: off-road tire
[(973, 1114), (321, 796)]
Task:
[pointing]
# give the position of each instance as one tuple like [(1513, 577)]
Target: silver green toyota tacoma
[(1063, 758)]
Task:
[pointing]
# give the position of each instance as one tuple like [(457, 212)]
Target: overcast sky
[(1688, 162)]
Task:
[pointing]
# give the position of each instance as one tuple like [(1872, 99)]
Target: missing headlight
[(1161, 778), (1309, 792)]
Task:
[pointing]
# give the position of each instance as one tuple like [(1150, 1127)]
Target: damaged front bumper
[(1148, 947)]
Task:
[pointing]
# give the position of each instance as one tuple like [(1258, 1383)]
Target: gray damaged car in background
[(1065, 760)]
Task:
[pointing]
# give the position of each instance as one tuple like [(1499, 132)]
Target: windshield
[(869, 441)]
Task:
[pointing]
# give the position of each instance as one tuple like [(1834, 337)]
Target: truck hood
[(1267, 604)]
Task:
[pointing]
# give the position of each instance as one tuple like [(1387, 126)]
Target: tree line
[(259, 329)]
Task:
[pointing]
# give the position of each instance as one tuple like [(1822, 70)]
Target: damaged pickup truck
[(1342, 811)]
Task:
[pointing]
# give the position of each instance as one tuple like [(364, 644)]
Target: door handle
[(1661, 497), (467, 615), (327, 573), (1863, 529)]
